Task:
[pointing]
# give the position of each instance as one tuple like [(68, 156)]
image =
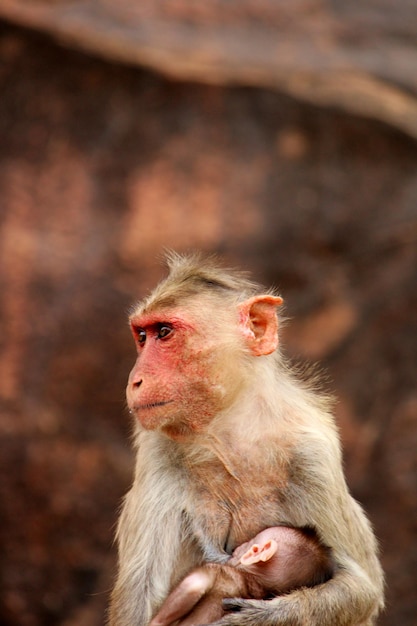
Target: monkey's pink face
[(176, 384)]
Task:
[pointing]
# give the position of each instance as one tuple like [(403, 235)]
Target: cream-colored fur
[(271, 457)]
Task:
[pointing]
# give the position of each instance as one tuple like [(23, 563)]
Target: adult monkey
[(230, 443)]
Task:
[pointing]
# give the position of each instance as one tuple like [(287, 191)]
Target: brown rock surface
[(359, 57), (101, 166)]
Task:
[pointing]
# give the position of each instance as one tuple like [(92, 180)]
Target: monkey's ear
[(259, 552), (259, 323)]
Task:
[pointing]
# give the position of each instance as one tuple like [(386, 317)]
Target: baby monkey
[(278, 560)]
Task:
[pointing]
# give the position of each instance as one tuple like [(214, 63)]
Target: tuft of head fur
[(194, 274)]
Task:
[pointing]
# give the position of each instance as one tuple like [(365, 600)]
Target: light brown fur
[(259, 449)]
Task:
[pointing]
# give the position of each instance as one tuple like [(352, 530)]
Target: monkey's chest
[(228, 510)]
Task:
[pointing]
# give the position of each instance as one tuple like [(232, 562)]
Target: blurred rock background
[(280, 135)]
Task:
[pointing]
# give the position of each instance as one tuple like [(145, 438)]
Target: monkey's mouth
[(150, 405)]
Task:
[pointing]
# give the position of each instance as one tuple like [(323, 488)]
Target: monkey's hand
[(274, 612)]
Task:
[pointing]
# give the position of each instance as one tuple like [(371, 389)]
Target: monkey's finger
[(234, 604), (245, 613)]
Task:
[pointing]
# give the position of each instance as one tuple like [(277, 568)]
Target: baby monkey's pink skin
[(276, 561)]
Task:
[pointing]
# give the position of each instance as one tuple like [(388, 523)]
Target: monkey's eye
[(141, 336), (164, 330)]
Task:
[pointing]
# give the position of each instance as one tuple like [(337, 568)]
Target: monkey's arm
[(354, 595), (152, 509), (348, 599), (345, 600), (185, 596)]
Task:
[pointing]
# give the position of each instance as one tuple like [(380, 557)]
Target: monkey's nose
[(137, 383)]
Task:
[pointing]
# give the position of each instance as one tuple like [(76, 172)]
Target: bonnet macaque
[(276, 561), (230, 443)]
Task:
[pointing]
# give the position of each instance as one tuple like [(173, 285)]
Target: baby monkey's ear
[(259, 552)]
